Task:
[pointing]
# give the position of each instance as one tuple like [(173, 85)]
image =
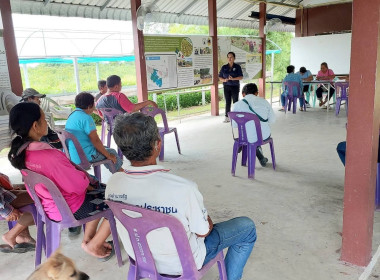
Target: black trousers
[(320, 90), (230, 92)]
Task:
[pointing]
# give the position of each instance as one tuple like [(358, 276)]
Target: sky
[(41, 36)]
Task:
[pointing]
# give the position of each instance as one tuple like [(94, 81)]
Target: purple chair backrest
[(32, 180), (241, 118), (153, 111), (66, 136), (109, 114), (290, 86), (139, 227), (341, 89)]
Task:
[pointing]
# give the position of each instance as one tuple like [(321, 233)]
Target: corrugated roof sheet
[(230, 13)]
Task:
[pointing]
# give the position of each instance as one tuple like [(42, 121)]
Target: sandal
[(110, 255), (19, 248), (301, 109)]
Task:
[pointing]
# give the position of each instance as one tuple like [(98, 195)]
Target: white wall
[(312, 51)]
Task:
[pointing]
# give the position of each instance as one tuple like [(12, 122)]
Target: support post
[(362, 134), (97, 71), (76, 74), (213, 33), (262, 22), (26, 76), (10, 47), (138, 41)]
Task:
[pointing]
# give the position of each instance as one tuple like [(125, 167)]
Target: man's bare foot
[(96, 251), (25, 239)]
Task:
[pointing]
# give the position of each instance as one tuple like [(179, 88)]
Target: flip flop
[(19, 248), (110, 255), (282, 110)]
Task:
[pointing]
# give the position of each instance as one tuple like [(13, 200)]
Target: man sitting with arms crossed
[(114, 98), (147, 184), (262, 109)]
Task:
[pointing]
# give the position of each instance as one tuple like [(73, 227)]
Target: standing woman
[(230, 74), (325, 74)]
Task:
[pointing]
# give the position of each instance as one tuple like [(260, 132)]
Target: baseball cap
[(31, 92)]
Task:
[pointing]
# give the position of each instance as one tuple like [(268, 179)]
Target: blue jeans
[(283, 96), (239, 236), (99, 157), (341, 150)]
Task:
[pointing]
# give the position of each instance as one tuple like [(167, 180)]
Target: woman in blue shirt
[(230, 74)]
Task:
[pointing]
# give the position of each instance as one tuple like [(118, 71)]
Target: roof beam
[(244, 10), (272, 8), (46, 2), (187, 7), (105, 5)]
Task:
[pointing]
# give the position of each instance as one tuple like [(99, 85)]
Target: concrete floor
[(297, 208)]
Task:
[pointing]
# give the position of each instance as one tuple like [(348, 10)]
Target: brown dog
[(58, 267)]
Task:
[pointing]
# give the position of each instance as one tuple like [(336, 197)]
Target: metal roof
[(230, 13)]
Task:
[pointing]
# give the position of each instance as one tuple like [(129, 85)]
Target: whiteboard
[(313, 50)]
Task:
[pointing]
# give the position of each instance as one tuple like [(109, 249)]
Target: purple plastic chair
[(53, 228), (109, 115), (148, 220), (152, 111), (65, 136), (248, 149), (292, 97), (341, 94)]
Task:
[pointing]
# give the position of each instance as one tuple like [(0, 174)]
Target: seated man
[(102, 86), (13, 197), (7, 100), (306, 76), (291, 77), (262, 109), (145, 184), (117, 100), (81, 124), (31, 95)]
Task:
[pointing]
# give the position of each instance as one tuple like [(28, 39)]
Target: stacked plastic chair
[(109, 115)]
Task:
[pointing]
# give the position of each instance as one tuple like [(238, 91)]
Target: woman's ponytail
[(21, 119)]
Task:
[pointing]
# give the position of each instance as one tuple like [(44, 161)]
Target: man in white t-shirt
[(150, 186), (261, 108)]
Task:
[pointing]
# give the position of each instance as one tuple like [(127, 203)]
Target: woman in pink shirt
[(27, 120), (325, 74)]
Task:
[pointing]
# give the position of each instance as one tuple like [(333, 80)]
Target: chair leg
[(98, 173), (115, 238), (346, 105), (103, 131), (244, 156), (337, 106), (109, 138), (40, 242), (272, 154), (53, 238), (251, 161), (234, 157), (162, 152), (286, 104), (221, 267), (176, 139), (132, 273)]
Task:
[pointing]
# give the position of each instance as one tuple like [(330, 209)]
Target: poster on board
[(178, 61), (248, 51), (4, 72)]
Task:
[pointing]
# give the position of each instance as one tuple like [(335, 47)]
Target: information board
[(4, 72), (186, 61), (248, 51)]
